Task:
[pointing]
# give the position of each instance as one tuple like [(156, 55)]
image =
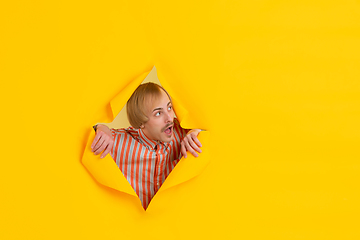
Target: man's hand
[(103, 141), (191, 143)]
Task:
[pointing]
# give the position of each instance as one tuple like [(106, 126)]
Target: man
[(148, 151)]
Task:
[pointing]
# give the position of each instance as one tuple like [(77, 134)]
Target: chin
[(168, 139)]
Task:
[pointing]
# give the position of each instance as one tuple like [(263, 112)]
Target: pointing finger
[(96, 139), (99, 146), (183, 150), (107, 150), (194, 137), (190, 149), (194, 146)]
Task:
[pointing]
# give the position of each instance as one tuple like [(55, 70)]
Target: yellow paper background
[(275, 82)]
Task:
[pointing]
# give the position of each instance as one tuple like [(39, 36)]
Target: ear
[(141, 126)]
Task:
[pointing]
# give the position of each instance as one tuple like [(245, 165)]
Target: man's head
[(150, 108)]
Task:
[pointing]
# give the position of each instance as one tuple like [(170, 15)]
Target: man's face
[(161, 119)]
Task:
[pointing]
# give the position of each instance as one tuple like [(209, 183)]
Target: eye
[(157, 114), (169, 108)]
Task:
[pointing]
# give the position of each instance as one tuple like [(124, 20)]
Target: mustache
[(168, 125)]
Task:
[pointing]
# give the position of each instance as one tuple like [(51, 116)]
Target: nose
[(169, 117)]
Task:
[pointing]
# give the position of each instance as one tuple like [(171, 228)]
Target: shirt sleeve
[(118, 136)]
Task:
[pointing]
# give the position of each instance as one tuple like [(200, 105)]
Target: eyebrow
[(161, 108)]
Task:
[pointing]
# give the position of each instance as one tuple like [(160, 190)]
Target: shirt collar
[(151, 144)]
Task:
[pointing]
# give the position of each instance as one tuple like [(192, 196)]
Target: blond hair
[(138, 102)]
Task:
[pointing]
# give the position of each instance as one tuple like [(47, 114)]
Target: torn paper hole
[(145, 171)]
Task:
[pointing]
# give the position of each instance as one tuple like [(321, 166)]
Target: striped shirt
[(146, 163)]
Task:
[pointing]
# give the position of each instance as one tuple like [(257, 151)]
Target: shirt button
[(158, 183)]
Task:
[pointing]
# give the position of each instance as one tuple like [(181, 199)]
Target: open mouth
[(169, 130)]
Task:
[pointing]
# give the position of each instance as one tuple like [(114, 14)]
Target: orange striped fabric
[(146, 163)]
